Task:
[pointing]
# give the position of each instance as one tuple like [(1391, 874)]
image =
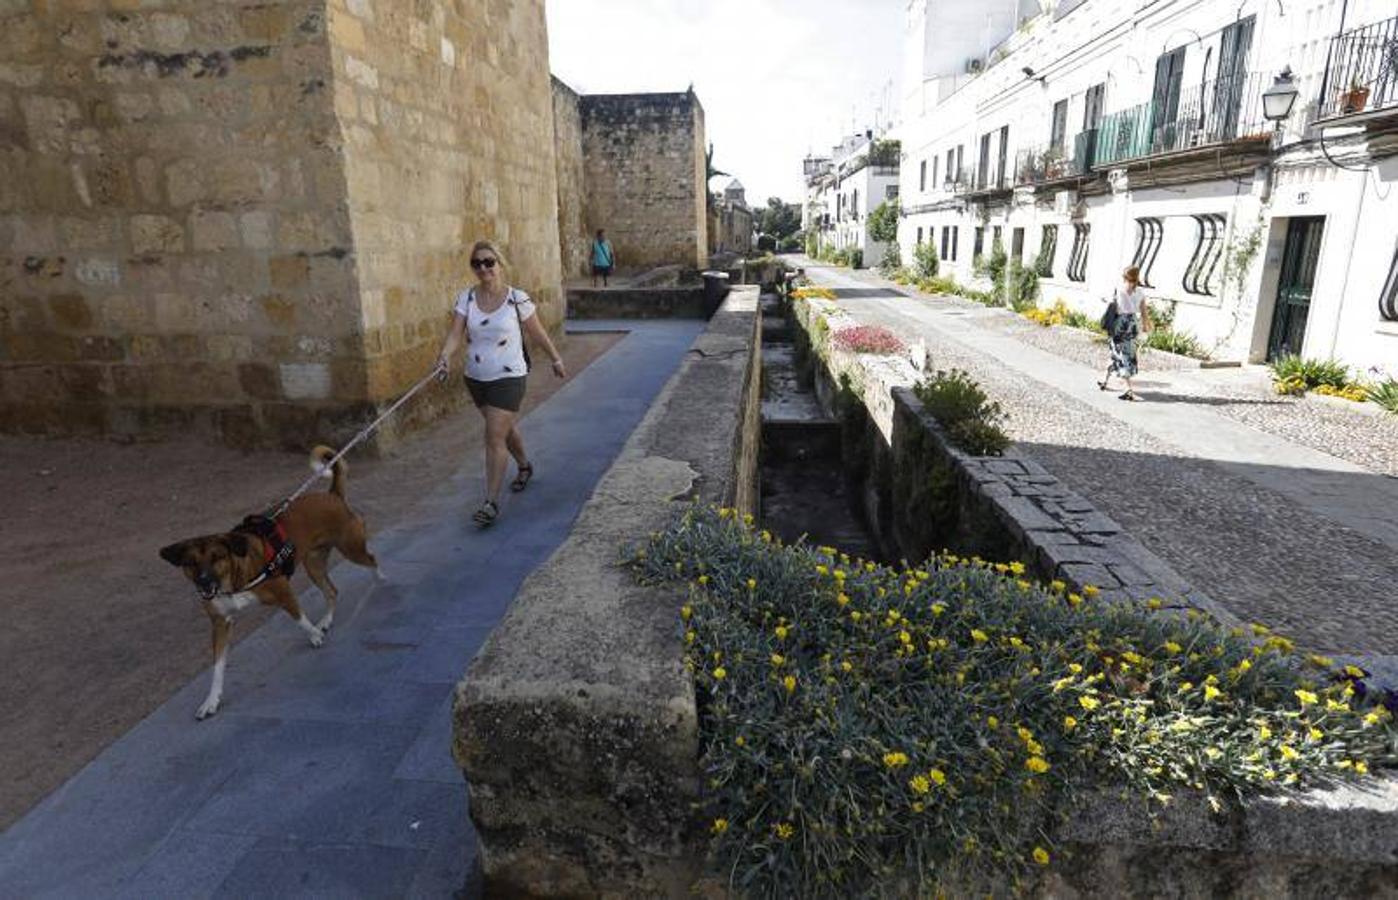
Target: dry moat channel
[(806, 489)]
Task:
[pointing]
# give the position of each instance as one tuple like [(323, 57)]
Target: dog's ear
[(175, 553), (238, 544)]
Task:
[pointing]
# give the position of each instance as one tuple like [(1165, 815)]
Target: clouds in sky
[(777, 78)]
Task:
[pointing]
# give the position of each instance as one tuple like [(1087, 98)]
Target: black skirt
[(501, 393)]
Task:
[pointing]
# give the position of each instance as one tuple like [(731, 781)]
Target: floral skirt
[(1123, 344)]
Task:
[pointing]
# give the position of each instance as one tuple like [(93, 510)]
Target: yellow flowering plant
[(934, 723)]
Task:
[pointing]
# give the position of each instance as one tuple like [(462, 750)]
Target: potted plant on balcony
[(1354, 97)]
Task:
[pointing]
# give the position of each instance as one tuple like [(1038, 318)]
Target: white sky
[(777, 78)]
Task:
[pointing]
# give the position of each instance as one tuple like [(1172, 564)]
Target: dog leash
[(329, 467)]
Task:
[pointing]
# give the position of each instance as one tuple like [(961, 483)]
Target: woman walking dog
[(1127, 317), (494, 320)]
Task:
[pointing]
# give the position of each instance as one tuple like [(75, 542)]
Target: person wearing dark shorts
[(494, 320), (603, 258)]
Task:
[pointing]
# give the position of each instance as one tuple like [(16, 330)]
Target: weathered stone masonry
[(643, 161), (575, 241), (247, 220)]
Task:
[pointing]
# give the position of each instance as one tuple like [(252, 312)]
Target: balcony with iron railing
[(1362, 76), (1216, 112), (1048, 163), (990, 180)]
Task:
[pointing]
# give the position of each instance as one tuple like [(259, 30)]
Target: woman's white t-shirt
[(495, 340), (1130, 302)]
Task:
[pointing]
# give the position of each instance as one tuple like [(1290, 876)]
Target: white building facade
[(1107, 133), (844, 188)]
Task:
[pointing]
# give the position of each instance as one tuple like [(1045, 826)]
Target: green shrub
[(925, 260), (883, 221), (813, 245), (996, 266), (1079, 319), (1385, 394), (856, 258), (935, 285), (1171, 341), (867, 730), (1313, 372), (892, 260), (789, 244), (961, 407), (1022, 286)]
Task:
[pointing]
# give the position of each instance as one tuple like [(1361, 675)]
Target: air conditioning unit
[(1065, 202), (975, 66)]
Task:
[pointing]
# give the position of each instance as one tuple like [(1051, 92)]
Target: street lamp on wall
[(1278, 99)]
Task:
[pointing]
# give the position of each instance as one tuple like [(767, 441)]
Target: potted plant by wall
[(1354, 97)]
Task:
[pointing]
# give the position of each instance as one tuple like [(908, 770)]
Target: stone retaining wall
[(576, 725), (636, 303), (921, 494)]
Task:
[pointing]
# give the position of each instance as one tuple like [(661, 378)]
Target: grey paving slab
[(189, 864), (276, 869), (328, 771)]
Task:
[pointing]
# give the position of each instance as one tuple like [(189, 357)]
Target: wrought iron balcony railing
[(1219, 111), (990, 180), (1362, 76), (1046, 162)]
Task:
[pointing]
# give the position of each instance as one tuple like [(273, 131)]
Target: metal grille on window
[(1388, 300), (1048, 246), (1149, 233), (1077, 261), (1198, 275)]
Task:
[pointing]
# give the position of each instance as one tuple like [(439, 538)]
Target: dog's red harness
[(279, 554)]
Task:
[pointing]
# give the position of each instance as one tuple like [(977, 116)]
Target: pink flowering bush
[(869, 339)]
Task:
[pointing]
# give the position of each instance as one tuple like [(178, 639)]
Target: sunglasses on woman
[(486, 262)]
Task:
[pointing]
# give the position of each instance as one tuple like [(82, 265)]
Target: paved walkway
[(328, 772), (1278, 532)]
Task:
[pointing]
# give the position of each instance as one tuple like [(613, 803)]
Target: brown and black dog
[(234, 570)]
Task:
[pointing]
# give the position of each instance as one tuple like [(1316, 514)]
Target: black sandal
[(521, 481), (1101, 385), (487, 514), (1129, 395)]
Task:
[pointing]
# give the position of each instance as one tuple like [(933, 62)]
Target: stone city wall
[(447, 120), (174, 251), (574, 240), (247, 221), (643, 162)]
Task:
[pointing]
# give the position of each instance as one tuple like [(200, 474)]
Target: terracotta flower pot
[(1354, 99)]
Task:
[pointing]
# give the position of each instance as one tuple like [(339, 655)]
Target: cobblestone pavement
[(1273, 530), (1361, 434)]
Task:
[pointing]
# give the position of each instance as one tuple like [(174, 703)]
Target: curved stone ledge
[(576, 725)]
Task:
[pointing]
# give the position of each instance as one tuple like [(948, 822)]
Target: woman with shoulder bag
[(1126, 318), (493, 320)]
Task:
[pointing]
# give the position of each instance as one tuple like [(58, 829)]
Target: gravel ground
[(1251, 549), (1341, 429)]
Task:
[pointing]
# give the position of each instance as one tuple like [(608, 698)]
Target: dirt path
[(98, 631)]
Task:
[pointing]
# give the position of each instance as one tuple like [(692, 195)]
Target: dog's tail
[(322, 455)]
